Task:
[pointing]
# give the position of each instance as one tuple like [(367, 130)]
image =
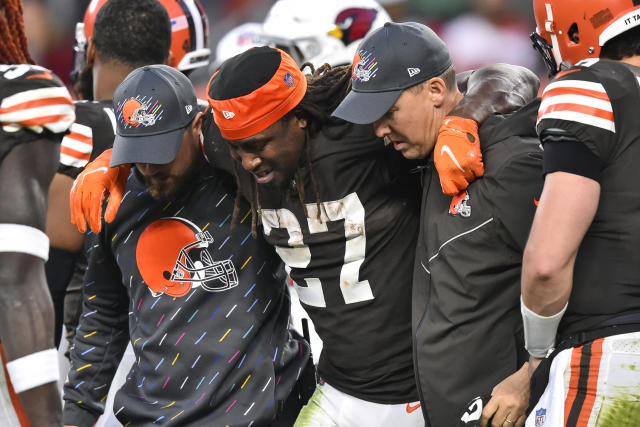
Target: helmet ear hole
[(574, 33)]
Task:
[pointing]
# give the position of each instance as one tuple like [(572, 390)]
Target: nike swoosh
[(104, 169), (411, 408), (446, 149)]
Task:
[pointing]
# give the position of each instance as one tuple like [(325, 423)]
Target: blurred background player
[(581, 276), (129, 35), (35, 111), (321, 32)]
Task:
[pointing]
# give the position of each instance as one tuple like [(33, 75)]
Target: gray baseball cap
[(153, 106), (389, 60)]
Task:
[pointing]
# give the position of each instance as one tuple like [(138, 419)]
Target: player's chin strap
[(540, 331), (34, 370), (24, 239)]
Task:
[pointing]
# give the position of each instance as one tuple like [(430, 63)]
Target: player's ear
[(196, 124), (436, 90), (301, 122), (91, 52)]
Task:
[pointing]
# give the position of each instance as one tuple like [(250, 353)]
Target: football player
[(36, 110), (581, 276)]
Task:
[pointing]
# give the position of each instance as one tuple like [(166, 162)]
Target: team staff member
[(339, 207), (466, 319), (581, 276), (115, 37), (200, 305)]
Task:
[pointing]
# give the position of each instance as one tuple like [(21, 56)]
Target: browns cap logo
[(129, 109), (140, 112)]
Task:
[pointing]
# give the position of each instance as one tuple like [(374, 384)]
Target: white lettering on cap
[(413, 71), (228, 114), (188, 108)]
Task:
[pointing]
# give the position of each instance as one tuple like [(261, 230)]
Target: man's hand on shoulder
[(457, 154), (90, 188)]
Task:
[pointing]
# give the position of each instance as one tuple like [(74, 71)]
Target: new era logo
[(413, 71), (188, 108), (228, 114)]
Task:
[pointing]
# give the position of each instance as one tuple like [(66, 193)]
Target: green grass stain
[(620, 412)]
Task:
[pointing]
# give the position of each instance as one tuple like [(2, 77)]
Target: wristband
[(24, 239), (540, 331), (34, 370)]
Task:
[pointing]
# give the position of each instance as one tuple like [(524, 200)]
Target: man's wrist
[(540, 331)]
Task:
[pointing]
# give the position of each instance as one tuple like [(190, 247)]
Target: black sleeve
[(563, 152), (100, 340)]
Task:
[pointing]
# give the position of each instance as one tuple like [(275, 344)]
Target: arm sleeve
[(100, 340), (564, 153)]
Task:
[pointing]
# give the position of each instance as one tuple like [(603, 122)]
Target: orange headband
[(247, 115)]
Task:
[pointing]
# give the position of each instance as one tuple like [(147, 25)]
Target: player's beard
[(169, 187)]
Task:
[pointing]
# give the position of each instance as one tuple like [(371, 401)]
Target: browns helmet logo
[(354, 23), (364, 66), (130, 107), (460, 205), (174, 256), (138, 113)]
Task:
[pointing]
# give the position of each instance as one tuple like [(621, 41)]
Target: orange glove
[(457, 154), (89, 189)]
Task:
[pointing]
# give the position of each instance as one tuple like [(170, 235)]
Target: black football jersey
[(352, 268), (598, 102), (90, 135), (34, 103)]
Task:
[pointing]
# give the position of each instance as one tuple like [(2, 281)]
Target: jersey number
[(298, 255)]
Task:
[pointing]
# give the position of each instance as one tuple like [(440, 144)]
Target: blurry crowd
[(478, 32)]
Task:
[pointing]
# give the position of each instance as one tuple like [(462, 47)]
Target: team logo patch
[(174, 255), (289, 80), (413, 71), (364, 67), (140, 111), (541, 416), (460, 205), (228, 114)]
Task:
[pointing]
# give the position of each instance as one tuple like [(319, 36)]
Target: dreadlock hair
[(133, 33), (13, 48)]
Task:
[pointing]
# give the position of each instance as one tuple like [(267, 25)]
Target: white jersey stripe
[(82, 130), (72, 161), (575, 99), (586, 119), (35, 94), (34, 113), (578, 84), (74, 144)]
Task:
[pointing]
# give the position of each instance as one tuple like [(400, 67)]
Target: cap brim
[(155, 149), (366, 107)]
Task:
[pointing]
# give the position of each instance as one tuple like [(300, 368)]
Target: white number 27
[(298, 255)]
